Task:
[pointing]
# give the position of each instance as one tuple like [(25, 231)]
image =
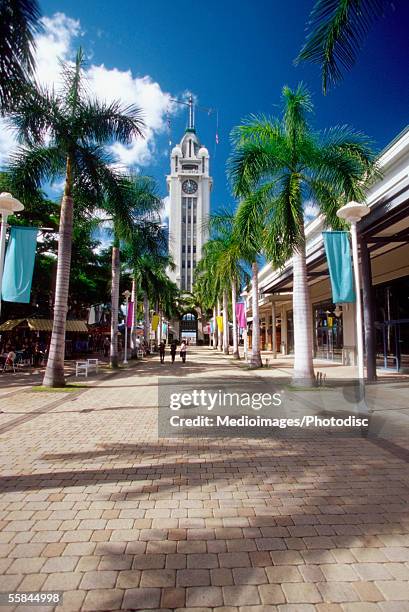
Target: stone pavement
[(94, 504)]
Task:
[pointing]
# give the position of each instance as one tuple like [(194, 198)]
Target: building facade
[(189, 184), (384, 262)]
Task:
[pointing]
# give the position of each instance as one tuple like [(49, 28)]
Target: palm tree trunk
[(113, 358), (214, 328), (134, 318), (303, 373), (219, 333), (54, 373), (226, 340), (160, 325), (233, 307), (255, 359), (146, 322)]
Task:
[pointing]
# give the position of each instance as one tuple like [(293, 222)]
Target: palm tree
[(132, 213), (337, 30), (63, 135), (229, 254), (248, 229), (19, 21), (206, 270), (150, 270), (205, 295), (279, 163)]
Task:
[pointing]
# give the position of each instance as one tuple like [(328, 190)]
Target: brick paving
[(94, 504)]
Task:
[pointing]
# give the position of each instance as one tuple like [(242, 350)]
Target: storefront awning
[(11, 324), (44, 325)]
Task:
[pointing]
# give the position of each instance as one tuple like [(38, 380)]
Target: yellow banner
[(219, 323), (155, 322)]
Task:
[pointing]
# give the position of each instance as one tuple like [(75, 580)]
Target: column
[(368, 308), (283, 331), (273, 330)]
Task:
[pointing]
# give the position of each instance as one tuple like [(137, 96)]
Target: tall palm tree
[(206, 271), (230, 253), (248, 229), (204, 295), (133, 214), (150, 270), (278, 164), (19, 21), (337, 30), (63, 135)]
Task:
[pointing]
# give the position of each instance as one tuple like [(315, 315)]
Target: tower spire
[(191, 125)]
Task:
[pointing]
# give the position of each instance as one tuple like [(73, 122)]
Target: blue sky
[(236, 56)]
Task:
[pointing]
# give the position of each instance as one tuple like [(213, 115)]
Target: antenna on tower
[(192, 108), (191, 113)]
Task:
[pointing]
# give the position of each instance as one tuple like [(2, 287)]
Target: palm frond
[(30, 167), (337, 29), (297, 105), (19, 21), (35, 116), (285, 228), (100, 122)]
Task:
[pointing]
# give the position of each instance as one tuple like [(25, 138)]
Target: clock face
[(189, 186)]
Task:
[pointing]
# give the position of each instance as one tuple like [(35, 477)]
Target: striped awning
[(45, 325), (10, 324)]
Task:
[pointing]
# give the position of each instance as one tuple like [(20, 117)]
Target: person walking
[(106, 346), (173, 351), (183, 350), (162, 352)]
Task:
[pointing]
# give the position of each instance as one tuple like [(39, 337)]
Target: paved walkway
[(94, 504)]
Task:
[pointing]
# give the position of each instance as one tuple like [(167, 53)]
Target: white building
[(189, 185)]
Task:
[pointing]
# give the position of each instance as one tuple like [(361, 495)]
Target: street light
[(352, 213), (8, 206), (127, 294)]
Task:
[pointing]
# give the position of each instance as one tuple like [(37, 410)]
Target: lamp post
[(352, 213), (127, 294), (8, 206)]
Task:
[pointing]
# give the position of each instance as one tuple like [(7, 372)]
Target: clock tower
[(189, 185)]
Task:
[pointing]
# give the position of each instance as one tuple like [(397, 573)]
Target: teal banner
[(340, 267), (19, 264)]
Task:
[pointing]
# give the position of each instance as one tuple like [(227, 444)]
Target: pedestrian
[(183, 349), (173, 351), (162, 352)]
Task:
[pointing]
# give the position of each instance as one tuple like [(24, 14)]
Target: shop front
[(392, 324), (328, 331)]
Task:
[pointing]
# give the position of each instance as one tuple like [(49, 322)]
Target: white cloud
[(58, 42), (164, 212), (311, 210), (53, 44)]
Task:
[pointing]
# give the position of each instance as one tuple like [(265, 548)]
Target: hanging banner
[(129, 319), (241, 315), (340, 267), (212, 326), (155, 322), (219, 323), (164, 329), (19, 264)]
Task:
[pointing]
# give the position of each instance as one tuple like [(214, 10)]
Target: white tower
[(189, 187)]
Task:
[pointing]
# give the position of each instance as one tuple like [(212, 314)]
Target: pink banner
[(130, 315), (241, 315)]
